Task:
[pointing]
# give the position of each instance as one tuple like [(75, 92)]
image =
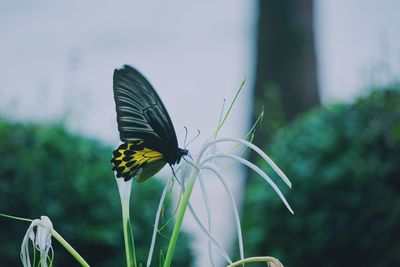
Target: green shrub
[(344, 163), (48, 171)]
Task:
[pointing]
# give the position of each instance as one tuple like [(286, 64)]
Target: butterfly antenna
[(194, 138), (186, 134)]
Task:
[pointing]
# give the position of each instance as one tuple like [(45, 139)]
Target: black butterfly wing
[(141, 114), (135, 159)]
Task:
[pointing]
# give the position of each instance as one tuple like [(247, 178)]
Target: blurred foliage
[(344, 163), (48, 171)]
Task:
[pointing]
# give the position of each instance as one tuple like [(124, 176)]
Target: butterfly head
[(181, 153)]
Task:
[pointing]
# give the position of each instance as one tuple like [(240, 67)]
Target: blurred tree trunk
[(286, 76), (285, 86)]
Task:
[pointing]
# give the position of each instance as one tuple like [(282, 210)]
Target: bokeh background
[(326, 74)]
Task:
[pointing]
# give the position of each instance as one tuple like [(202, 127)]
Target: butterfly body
[(146, 130)]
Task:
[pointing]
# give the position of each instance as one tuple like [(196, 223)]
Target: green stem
[(15, 217), (272, 260), (128, 237), (69, 248), (229, 109), (181, 213)]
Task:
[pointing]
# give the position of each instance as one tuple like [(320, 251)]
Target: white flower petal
[(41, 240)]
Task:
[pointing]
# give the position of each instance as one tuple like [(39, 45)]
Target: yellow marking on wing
[(139, 157)]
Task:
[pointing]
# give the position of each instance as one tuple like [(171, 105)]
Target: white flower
[(41, 239), (208, 160)]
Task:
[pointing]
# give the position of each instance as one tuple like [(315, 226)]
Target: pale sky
[(358, 45)]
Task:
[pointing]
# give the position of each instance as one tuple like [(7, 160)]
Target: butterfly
[(145, 128)]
